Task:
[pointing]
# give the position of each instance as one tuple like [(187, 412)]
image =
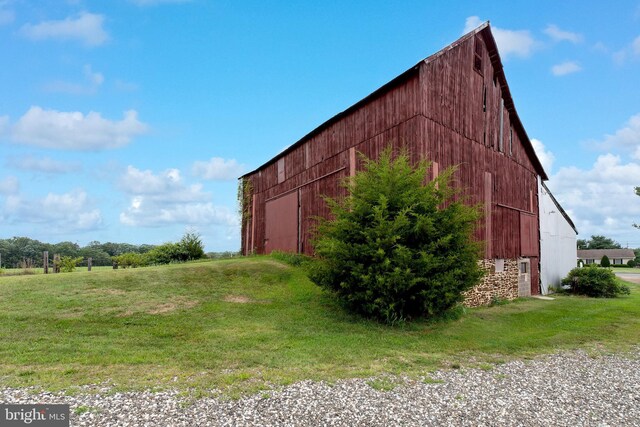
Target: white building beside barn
[(558, 249)]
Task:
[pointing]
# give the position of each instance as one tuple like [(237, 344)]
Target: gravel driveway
[(629, 277), (570, 389)]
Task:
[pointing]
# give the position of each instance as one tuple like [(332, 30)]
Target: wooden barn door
[(529, 248), (281, 224)]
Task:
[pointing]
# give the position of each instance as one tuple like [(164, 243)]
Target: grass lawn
[(626, 270), (245, 324)]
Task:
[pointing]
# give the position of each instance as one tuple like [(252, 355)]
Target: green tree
[(68, 249), (397, 248), (97, 255), (191, 244), (604, 262), (17, 249), (130, 259), (600, 242), (163, 254)]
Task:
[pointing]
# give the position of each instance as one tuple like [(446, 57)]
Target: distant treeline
[(16, 250)]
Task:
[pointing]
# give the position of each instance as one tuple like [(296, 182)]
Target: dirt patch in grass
[(171, 306), (243, 299), (238, 299), (178, 303)]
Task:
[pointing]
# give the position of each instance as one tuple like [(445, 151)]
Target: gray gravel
[(570, 389)]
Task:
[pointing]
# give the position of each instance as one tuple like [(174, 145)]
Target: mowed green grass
[(246, 324)]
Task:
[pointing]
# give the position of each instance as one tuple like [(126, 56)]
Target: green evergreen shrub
[(594, 282), (631, 263), (604, 262), (397, 248)]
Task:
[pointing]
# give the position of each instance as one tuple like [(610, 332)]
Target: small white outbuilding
[(558, 249)]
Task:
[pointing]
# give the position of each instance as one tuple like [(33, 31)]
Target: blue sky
[(130, 120)]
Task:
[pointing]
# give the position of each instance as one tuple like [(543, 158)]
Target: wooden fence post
[(45, 261), (56, 263), (89, 260)]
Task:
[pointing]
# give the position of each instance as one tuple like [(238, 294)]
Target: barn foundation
[(500, 282)]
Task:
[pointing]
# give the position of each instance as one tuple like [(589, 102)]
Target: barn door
[(281, 224), (528, 234)]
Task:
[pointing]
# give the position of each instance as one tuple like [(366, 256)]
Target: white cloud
[(545, 156), (44, 164), (75, 131), (9, 185), (510, 42), (600, 200), (560, 35), (633, 49), (166, 186), (164, 198), (217, 168), (86, 28), (141, 215), (626, 138), (567, 67), (471, 23), (60, 212)]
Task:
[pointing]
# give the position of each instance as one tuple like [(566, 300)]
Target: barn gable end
[(453, 108)]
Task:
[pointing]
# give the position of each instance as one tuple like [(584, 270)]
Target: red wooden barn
[(453, 108)]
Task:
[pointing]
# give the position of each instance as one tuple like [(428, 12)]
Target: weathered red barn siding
[(448, 109)]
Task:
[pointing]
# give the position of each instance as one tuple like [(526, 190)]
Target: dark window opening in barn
[(477, 55), (484, 98), (524, 267), (281, 175), (511, 142), (500, 137)]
